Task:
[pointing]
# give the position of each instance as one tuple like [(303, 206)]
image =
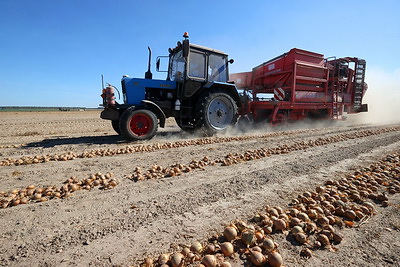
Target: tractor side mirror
[(162, 64), (231, 61), (158, 64)]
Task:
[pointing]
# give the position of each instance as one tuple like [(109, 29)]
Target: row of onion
[(136, 148), (158, 172), (25, 160), (33, 194)]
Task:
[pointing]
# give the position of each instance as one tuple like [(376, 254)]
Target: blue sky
[(52, 53)]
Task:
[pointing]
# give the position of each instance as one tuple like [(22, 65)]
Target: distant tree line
[(24, 108)]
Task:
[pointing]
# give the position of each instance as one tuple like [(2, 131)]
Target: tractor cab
[(203, 65), (191, 64)]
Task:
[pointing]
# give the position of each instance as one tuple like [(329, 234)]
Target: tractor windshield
[(177, 67), (217, 68)]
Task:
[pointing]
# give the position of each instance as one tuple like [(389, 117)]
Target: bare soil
[(139, 218)]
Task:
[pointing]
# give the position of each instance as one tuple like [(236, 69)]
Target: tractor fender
[(110, 114), (157, 110), (227, 88)]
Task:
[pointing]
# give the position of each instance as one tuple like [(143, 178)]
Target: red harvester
[(302, 84)]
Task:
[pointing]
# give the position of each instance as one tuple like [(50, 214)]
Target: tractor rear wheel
[(218, 112), (140, 124)]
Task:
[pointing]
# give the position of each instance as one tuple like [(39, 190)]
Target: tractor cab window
[(217, 68), (197, 62), (177, 67)]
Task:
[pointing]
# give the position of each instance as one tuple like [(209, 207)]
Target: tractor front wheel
[(115, 125), (139, 124)]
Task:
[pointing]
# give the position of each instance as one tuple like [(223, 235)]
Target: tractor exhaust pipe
[(148, 74)]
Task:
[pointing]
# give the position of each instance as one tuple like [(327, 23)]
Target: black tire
[(140, 124), (115, 125), (218, 111)]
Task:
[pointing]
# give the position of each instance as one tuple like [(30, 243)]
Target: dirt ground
[(138, 217)]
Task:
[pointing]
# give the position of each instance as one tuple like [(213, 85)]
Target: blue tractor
[(196, 93)]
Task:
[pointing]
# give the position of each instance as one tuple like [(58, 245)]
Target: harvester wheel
[(218, 112), (115, 125), (140, 124)]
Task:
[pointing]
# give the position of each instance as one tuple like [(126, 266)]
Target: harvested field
[(72, 192)]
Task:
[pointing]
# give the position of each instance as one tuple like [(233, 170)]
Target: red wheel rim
[(140, 124)]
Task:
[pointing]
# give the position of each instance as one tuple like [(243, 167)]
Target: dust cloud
[(382, 97)]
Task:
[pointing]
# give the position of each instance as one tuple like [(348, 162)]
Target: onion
[(177, 260), (256, 248), (185, 251), (209, 261), (227, 249), (312, 214), (302, 216), (359, 214), (257, 258), (279, 210), (16, 202), (328, 233), (248, 238), (293, 212), (350, 214), (196, 247), (267, 229), (148, 262), (323, 221), (210, 249), (268, 244), (296, 229), (24, 200), (279, 224), (320, 189), (257, 218), (370, 206), (273, 212), (275, 259), (301, 238), (323, 239), (305, 252), (163, 259), (230, 233), (37, 196), (294, 221), (259, 236), (331, 219), (337, 237), (241, 225), (225, 264), (283, 216)]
